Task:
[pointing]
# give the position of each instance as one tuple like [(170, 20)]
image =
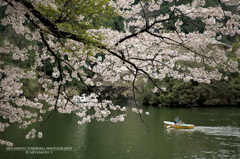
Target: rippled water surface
[(216, 135)]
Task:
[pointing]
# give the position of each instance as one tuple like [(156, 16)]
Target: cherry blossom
[(143, 51)]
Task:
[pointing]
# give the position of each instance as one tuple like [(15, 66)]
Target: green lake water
[(216, 135)]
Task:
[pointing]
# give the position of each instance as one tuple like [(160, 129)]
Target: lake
[(216, 135)]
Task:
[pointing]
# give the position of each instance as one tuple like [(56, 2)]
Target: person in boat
[(177, 121)]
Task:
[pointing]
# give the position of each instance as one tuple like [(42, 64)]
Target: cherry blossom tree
[(72, 35)]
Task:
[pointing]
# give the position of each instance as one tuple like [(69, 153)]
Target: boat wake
[(219, 131)]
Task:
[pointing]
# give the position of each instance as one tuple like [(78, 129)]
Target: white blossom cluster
[(102, 110), (139, 111), (5, 142), (3, 125), (31, 134), (117, 118), (144, 48)]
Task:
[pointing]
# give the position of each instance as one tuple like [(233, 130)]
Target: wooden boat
[(169, 124)]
